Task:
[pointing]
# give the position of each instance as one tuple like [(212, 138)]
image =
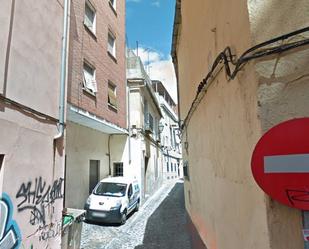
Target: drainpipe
[(63, 73), (129, 122), (109, 155)]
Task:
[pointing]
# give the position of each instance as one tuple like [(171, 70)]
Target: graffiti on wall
[(37, 197), (10, 237), (49, 231)]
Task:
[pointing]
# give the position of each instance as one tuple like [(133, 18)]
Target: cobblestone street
[(160, 223)]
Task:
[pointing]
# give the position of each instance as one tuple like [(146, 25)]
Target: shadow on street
[(169, 227)]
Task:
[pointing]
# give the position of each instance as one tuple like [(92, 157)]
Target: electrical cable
[(28, 109), (225, 59)]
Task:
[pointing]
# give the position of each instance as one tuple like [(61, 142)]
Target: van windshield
[(110, 189)]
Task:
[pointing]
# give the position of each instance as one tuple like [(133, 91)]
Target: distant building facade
[(223, 120), (31, 148), (169, 133), (96, 113), (144, 115)]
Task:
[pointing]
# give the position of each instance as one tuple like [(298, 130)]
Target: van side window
[(136, 188), (130, 191)]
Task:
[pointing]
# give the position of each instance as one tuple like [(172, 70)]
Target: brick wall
[(93, 48)]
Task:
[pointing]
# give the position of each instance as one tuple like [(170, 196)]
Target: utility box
[(72, 225)]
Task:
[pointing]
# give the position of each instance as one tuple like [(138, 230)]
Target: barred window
[(118, 169)]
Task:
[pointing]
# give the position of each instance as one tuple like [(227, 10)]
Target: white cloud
[(148, 55), (159, 68)]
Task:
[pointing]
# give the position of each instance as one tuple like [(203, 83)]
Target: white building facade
[(144, 114), (169, 134)]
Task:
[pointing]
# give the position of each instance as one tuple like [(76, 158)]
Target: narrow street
[(160, 223)]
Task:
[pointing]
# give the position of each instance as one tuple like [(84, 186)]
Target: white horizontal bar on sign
[(297, 163)]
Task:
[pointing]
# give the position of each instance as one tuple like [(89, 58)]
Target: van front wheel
[(123, 218), (137, 206)]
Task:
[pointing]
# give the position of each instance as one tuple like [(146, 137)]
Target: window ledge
[(112, 7), (112, 108), (86, 90), (112, 56), (90, 31)]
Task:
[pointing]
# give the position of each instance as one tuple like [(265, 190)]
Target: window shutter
[(112, 97), (94, 86), (111, 44), (89, 81)]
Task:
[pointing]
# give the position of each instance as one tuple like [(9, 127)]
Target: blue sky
[(150, 22)]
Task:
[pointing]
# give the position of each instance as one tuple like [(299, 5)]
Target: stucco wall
[(143, 145), (34, 57), (4, 35), (31, 171), (283, 87), (83, 145), (225, 204), (32, 187), (135, 108), (120, 151)]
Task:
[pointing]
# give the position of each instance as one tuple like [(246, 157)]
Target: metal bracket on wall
[(1, 161)]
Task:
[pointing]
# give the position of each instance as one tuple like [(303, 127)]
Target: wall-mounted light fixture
[(161, 127)]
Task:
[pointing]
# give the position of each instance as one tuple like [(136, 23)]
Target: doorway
[(94, 174)]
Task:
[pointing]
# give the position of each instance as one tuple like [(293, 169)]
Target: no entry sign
[(280, 163)]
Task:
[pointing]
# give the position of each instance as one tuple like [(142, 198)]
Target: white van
[(112, 200)]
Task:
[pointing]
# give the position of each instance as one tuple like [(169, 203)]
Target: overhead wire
[(232, 66)]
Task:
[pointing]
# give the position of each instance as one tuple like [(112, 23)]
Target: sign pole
[(305, 215)]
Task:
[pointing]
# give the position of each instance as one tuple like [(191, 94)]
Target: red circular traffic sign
[(280, 163)]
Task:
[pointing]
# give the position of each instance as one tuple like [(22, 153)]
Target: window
[(111, 44), (89, 81), (113, 4), (130, 191), (118, 169), (90, 17), (112, 95), (167, 168), (145, 112), (110, 189), (150, 121), (186, 170)]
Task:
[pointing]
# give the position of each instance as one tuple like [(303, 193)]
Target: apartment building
[(169, 133), (144, 115), (96, 113), (224, 113), (32, 147)]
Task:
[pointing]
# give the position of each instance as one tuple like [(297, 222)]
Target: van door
[(131, 197)]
